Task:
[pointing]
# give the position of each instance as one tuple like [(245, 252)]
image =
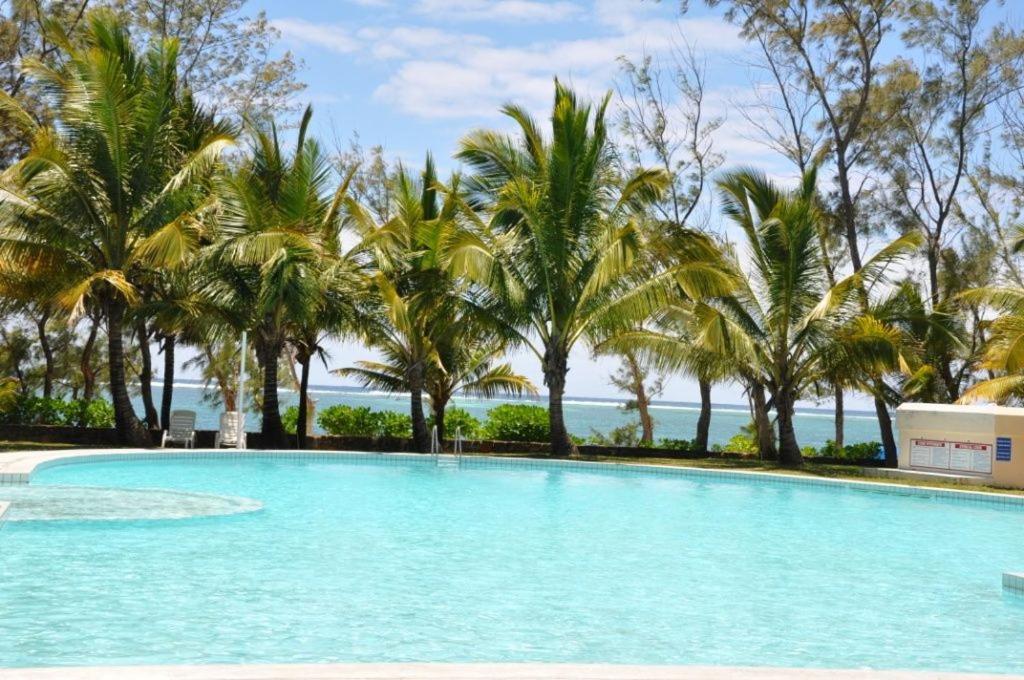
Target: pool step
[(447, 459), (1014, 582)]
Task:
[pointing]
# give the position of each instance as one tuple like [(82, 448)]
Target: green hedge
[(341, 420), (32, 410), (517, 423)]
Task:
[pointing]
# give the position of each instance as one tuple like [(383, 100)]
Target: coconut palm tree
[(1003, 355), (104, 193), (417, 296), (278, 225), (465, 361), (784, 315), (560, 255)]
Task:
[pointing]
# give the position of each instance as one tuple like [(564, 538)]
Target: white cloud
[(330, 36), (500, 10), (403, 42)]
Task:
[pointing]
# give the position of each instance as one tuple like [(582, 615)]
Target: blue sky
[(416, 75)]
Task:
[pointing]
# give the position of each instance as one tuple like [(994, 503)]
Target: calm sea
[(674, 420)]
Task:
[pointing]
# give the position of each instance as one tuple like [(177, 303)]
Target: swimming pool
[(398, 559)]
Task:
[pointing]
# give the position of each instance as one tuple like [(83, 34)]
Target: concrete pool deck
[(424, 671)]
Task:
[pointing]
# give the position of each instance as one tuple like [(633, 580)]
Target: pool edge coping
[(19, 469)]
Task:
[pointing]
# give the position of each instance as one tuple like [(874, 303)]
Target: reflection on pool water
[(355, 560)]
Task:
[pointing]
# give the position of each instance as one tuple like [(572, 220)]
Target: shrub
[(33, 410), (624, 435), (361, 421), (678, 444), (459, 419), (740, 443), (517, 423), (290, 419), (854, 453)]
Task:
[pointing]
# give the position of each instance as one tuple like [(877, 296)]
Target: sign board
[(1004, 449), (970, 457), (936, 454), (929, 453)]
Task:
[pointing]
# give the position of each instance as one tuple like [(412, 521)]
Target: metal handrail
[(435, 442), (457, 450)]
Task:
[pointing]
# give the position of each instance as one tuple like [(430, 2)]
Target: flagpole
[(240, 398)]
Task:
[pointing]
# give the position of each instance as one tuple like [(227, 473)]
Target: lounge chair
[(230, 430), (182, 429)]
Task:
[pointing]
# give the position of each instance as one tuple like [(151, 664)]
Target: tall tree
[(560, 258), (664, 119), (228, 58), (271, 242), (102, 193)]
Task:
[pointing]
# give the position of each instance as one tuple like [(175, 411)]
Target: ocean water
[(379, 561), (673, 420)]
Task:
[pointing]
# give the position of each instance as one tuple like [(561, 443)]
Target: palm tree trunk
[(840, 435), (85, 363), (129, 428), (272, 431), (420, 435), (146, 377), (44, 344), (763, 423), (704, 420), (789, 450), (167, 397), (555, 369), (885, 427), (300, 427), (437, 407)]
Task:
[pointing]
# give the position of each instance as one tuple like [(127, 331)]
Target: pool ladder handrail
[(438, 451)]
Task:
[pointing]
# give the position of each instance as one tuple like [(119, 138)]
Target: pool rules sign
[(936, 454)]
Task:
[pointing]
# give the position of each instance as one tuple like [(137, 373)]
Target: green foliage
[(362, 421), (678, 444), (33, 410), (517, 423), (860, 452), (624, 435), (739, 443), (459, 419), (290, 419)]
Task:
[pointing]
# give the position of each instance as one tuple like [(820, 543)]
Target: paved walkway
[(467, 672)]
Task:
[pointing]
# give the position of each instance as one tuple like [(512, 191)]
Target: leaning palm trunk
[(789, 450), (273, 433), (167, 395), (704, 420), (85, 362), (47, 349), (763, 424), (129, 428), (302, 426), (146, 377), (555, 369), (420, 435), (885, 426)]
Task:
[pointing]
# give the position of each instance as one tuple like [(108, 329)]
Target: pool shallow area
[(398, 559)]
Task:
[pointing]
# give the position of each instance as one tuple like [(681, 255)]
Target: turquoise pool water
[(350, 561)]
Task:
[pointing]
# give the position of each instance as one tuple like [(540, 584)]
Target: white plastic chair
[(230, 430), (182, 429)]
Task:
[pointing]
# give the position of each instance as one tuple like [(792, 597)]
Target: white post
[(240, 397)]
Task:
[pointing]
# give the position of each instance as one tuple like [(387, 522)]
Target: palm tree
[(561, 257), (465, 362), (417, 297), (277, 226), (782, 318), (105, 190), (1003, 355)]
